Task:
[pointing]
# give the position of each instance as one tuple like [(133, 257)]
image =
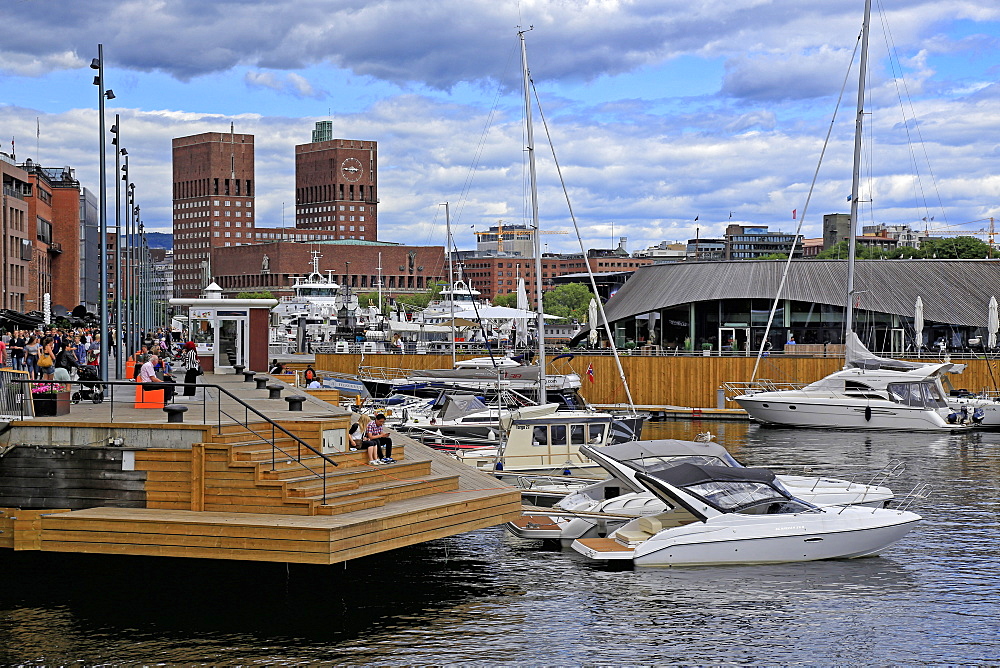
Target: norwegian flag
[(590, 372)]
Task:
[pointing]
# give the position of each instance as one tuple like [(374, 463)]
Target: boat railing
[(219, 408), (382, 373), (877, 478), (919, 493), (740, 388)]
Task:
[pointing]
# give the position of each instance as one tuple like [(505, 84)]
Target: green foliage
[(263, 294), (775, 256), (951, 248), (509, 300), (371, 298), (955, 248), (841, 251), (569, 300)]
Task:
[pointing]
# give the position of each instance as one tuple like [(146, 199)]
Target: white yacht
[(725, 515), (601, 507), (869, 393)]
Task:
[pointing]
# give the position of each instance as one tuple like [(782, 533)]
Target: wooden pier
[(213, 488)]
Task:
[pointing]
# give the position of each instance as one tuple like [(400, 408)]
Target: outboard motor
[(952, 417), (978, 416), (965, 414)]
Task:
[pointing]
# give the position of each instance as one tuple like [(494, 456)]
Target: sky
[(669, 118)]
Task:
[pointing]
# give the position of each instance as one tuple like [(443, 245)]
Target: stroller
[(89, 388)]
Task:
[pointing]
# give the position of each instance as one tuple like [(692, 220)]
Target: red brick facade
[(405, 269), (213, 202), (336, 188)]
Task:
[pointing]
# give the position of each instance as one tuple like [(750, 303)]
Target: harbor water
[(489, 598)]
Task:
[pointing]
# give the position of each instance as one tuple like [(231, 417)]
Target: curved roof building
[(691, 304)]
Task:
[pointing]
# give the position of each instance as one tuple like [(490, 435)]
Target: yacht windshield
[(919, 395), (663, 462)]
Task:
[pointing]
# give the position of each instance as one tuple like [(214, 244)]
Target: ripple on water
[(488, 598)]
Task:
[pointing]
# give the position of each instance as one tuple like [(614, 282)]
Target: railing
[(738, 388), (106, 390)]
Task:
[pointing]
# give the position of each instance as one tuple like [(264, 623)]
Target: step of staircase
[(385, 492), (311, 485)]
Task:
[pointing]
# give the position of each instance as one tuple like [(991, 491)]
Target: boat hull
[(772, 408), (722, 547)]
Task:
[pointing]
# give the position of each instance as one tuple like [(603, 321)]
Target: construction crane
[(513, 232), (957, 230)]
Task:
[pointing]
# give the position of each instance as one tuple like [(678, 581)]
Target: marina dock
[(236, 480)]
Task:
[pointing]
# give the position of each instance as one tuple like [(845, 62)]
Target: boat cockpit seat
[(644, 528)]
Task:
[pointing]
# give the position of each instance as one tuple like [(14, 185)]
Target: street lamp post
[(115, 340), (98, 64)]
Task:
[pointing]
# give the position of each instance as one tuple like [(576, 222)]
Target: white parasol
[(592, 321), (992, 324)]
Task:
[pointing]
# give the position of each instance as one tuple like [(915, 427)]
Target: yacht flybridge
[(725, 515)]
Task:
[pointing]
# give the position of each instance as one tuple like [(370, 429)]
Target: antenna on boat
[(451, 276)]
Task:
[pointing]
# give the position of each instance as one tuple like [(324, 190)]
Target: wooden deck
[(216, 492)]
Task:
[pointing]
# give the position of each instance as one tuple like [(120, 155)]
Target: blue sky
[(661, 110)]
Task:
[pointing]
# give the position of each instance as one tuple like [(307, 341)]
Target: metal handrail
[(246, 423)]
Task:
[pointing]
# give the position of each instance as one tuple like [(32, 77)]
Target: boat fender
[(978, 415), (566, 471), (498, 466), (952, 417), (868, 413)]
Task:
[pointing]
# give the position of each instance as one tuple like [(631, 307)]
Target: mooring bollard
[(274, 391), (262, 382), (238, 368), (175, 412), (248, 376), (295, 402)]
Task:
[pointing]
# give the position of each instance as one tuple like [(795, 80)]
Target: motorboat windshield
[(925, 394), (726, 489), (658, 455)]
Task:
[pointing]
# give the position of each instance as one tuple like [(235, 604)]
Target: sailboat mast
[(451, 278), (537, 239), (856, 178)]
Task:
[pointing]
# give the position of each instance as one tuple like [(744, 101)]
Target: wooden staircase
[(233, 472)]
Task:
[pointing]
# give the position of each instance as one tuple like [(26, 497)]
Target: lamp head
[(97, 80), (110, 94), (95, 64)]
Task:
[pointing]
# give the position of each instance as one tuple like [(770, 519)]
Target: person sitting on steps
[(377, 433)]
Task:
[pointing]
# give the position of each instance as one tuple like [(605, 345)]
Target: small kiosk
[(228, 332)]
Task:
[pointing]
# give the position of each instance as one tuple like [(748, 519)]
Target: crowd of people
[(60, 354), (46, 354)]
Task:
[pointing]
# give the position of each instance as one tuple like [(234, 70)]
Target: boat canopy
[(460, 405), (686, 475), (858, 356), (662, 453)]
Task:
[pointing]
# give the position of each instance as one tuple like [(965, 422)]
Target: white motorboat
[(601, 507), (870, 393), (727, 515)]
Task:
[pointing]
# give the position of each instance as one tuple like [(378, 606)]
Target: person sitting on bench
[(147, 374)]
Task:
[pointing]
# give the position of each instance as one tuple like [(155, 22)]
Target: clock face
[(352, 169)]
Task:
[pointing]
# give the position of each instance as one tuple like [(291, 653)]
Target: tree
[(968, 248), (841, 250), (569, 300), (263, 294), (509, 299)]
